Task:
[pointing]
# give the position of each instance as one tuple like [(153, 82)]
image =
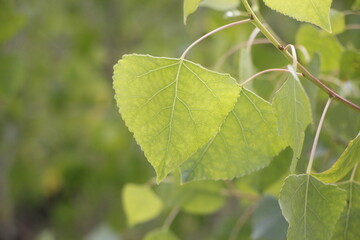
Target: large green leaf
[(344, 164), (160, 234), (312, 11), (172, 106), (140, 203), (315, 40), (347, 227), (247, 141), (293, 110), (190, 6), (311, 207), (268, 223)]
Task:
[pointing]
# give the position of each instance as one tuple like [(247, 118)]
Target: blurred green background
[(65, 153)]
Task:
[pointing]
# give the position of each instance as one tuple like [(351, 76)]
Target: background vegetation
[(65, 153)]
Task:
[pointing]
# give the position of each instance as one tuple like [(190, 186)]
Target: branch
[(301, 68)]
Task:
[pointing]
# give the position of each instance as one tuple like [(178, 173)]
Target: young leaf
[(344, 164), (140, 203), (347, 228), (268, 223), (190, 6), (312, 11), (293, 110), (247, 141), (311, 207), (160, 234), (325, 44), (172, 106)]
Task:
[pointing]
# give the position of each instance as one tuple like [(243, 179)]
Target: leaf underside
[(172, 106), (347, 228), (311, 207), (293, 110)]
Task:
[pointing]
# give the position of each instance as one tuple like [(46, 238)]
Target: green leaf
[(311, 207), (325, 44), (190, 6), (140, 203), (344, 164), (347, 228), (293, 110), (221, 5), (337, 20), (160, 234), (268, 223), (172, 106), (246, 142), (312, 11)]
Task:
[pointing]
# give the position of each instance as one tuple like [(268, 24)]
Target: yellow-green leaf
[(172, 106), (311, 207), (160, 234), (246, 142), (140, 203), (190, 6), (293, 110), (344, 164), (312, 11), (221, 5)]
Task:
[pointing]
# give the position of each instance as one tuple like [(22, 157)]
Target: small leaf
[(347, 228), (172, 106), (246, 142), (344, 164), (325, 44), (221, 5), (293, 110), (312, 11), (140, 203), (311, 207), (268, 222), (160, 234), (190, 6)]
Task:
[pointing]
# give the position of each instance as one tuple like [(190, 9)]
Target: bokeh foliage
[(65, 153)]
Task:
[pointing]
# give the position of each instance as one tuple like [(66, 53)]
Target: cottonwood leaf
[(350, 65), (172, 106), (268, 222), (190, 6), (247, 141), (312, 11), (160, 234), (344, 164), (315, 40), (311, 207), (337, 20), (347, 228), (293, 110), (140, 203), (221, 5)]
